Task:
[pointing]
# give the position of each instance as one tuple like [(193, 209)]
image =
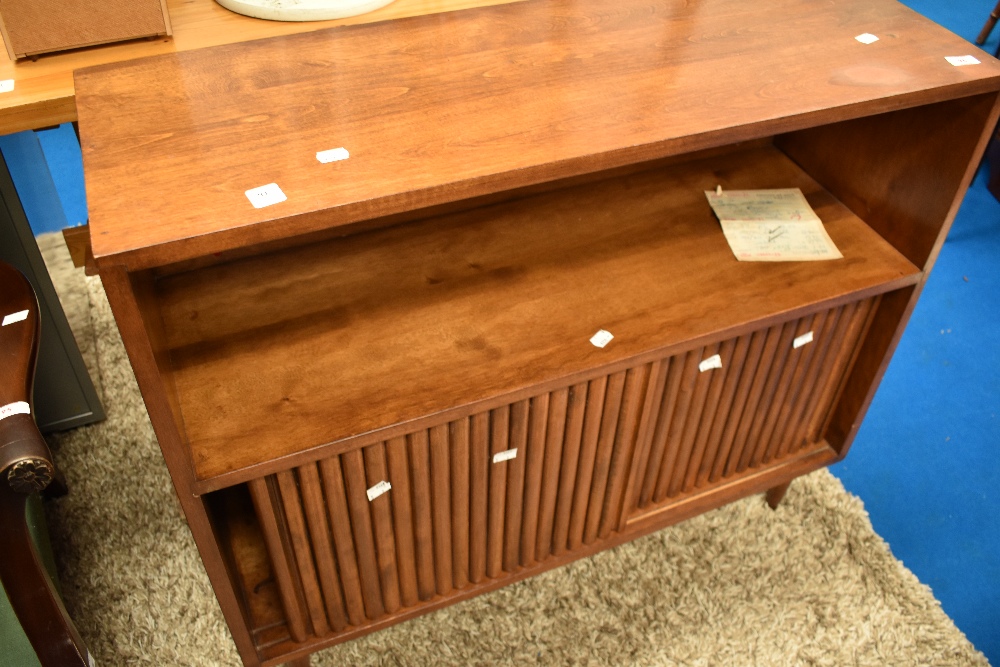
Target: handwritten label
[(19, 316), (714, 361), (867, 38), (378, 490), (266, 195), (333, 155), (959, 61), (505, 455), (7, 85), (771, 226), (11, 409), (601, 338), (802, 340)]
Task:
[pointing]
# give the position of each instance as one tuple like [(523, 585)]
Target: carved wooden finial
[(30, 475)]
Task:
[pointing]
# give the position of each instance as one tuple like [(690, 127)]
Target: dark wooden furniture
[(31, 28), (64, 394), (519, 177), (26, 468), (984, 34)]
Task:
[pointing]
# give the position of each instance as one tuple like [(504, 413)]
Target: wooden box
[(377, 396), (31, 27)]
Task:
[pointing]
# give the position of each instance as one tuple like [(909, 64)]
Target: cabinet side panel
[(137, 315), (904, 172)]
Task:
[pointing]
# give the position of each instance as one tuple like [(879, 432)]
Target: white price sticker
[(505, 455), (17, 408), (867, 38), (7, 85), (601, 338), (333, 155), (959, 61), (19, 316), (266, 195), (378, 490), (802, 340), (714, 361)]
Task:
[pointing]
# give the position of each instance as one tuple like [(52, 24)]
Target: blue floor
[(927, 459), (926, 462)]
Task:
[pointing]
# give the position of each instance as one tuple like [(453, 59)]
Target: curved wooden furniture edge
[(32, 594), (26, 467)]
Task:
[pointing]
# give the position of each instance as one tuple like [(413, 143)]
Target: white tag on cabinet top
[(601, 338), (333, 155), (959, 61), (266, 195)]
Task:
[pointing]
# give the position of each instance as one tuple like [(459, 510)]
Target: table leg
[(775, 495)]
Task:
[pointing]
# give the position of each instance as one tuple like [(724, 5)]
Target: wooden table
[(43, 90), (378, 396)]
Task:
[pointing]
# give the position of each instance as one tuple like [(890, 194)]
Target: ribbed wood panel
[(454, 516), (768, 399), (482, 497)]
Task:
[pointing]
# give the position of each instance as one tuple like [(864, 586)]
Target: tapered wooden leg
[(984, 34), (774, 495)]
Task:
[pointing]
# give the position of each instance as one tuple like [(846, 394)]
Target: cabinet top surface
[(445, 107)]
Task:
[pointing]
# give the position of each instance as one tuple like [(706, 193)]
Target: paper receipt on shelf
[(771, 226)]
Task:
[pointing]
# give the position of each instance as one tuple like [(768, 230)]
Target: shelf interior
[(284, 352)]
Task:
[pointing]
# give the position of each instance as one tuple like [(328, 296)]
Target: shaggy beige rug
[(808, 584)]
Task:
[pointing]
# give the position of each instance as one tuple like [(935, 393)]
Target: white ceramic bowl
[(302, 10)]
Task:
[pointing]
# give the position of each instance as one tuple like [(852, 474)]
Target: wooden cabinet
[(378, 396)]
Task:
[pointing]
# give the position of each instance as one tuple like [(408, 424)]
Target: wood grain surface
[(549, 159), (43, 92), (412, 320), (440, 108)]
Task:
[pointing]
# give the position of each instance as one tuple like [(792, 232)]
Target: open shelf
[(282, 353)]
